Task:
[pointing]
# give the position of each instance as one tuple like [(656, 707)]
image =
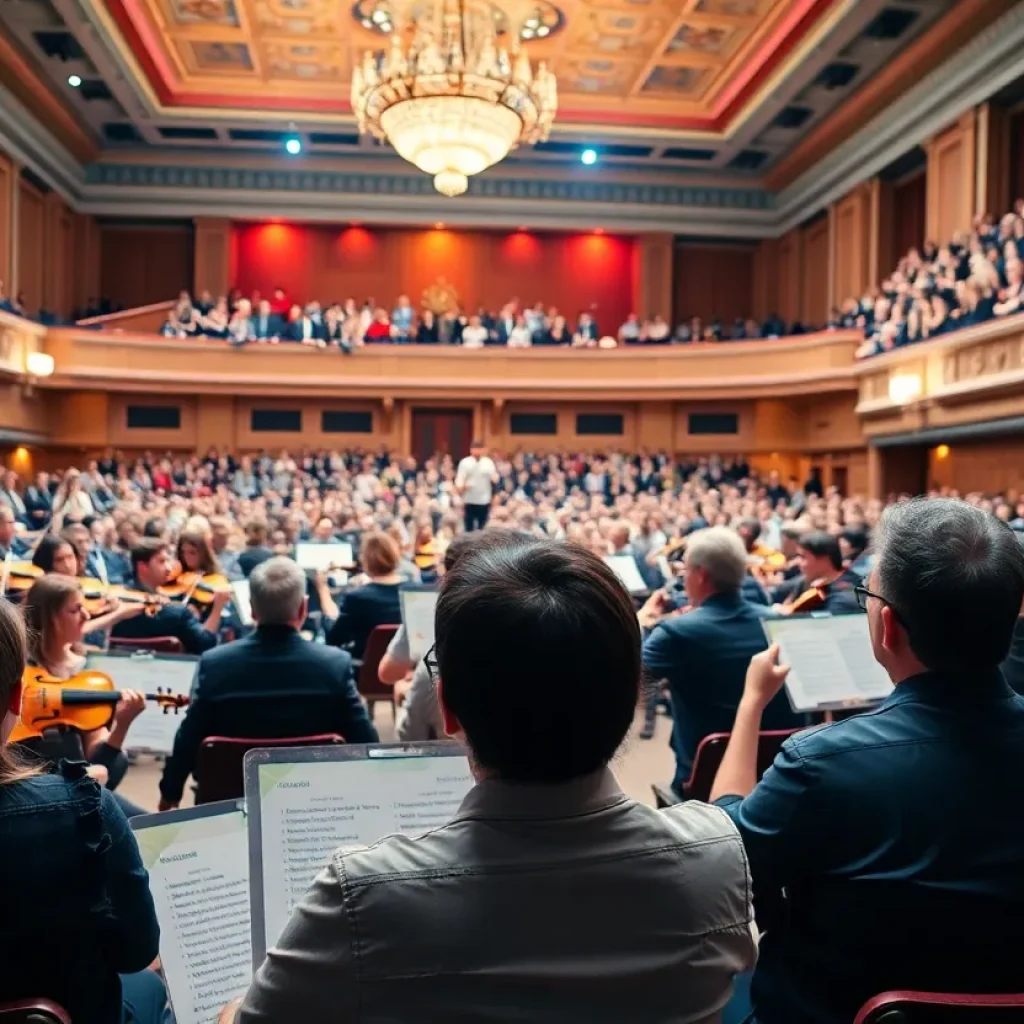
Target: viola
[(810, 600), (84, 702)]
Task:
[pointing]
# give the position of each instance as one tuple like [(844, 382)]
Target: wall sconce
[(37, 366), (904, 387)]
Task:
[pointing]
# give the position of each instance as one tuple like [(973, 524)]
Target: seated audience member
[(373, 604), (266, 325), (656, 330), (214, 323), (520, 336), (61, 824), (821, 566), (256, 549), (629, 330), (541, 841), (240, 325), (556, 334), (268, 685), (151, 569), (887, 835), (586, 334), (402, 317), (378, 329), (474, 334), (10, 543), (704, 654), (38, 502), (426, 329)]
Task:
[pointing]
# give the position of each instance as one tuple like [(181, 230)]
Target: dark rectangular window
[(334, 421), (608, 423), (276, 420), (533, 423), (714, 423), (154, 417)]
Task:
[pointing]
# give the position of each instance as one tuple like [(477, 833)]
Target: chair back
[(156, 644), (218, 771), (941, 1008), (33, 1011), (711, 750), (371, 689)]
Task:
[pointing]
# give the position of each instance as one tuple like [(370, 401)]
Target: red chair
[(941, 1008), (371, 689), (218, 771), (156, 644), (708, 759), (33, 1011)]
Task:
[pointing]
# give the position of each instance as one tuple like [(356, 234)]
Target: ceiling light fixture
[(588, 157), (74, 81), (451, 100), (293, 145)]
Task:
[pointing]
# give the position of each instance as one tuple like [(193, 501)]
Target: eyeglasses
[(862, 594), (430, 661)]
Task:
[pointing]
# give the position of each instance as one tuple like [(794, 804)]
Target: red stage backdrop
[(488, 268)]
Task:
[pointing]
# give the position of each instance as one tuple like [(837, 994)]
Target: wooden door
[(441, 431)]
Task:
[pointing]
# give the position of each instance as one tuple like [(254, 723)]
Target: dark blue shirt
[(77, 907), (897, 838), (704, 654)]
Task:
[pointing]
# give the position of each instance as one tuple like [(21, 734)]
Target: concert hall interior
[(561, 458)]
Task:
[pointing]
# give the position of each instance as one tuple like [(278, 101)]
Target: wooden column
[(875, 472), (992, 185), (59, 255), (212, 264), (881, 238), (10, 192), (85, 264), (791, 275), (652, 289), (952, 173), (766, 280)]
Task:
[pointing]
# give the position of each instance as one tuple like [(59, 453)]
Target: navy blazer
[(172, 620), (897, 837), (268, 685), (362, 610), (704, 655)]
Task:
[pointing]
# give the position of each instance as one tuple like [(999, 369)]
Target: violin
[(19, 575), (426, 556), (199, 587), (810, 600), (84, 702), (126, 595)]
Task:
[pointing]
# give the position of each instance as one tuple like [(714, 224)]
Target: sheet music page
[(322, 556), (830, 661), (310, 809), (624, 566), (418, 617), (243, 601), (199, 877), (154, 730)]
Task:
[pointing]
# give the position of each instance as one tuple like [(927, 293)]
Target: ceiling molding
[(991, 60)]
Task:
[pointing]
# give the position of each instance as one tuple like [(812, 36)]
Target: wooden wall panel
[(119, 435), (31, 246), (992, 466), (951, 179), (81, 420), (851, 245), (993, 185), (714, 281), (815, 292), (141, 264), (59, 256), (213, 256), (655, 276), (765, 300), (8, 195), (909, 214), (571, 271), (1016, 155), (791, 276)]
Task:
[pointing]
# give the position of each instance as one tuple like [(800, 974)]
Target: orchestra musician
[(758, 555), (74, 876), (151, 570), (828, 586), (56, 617)]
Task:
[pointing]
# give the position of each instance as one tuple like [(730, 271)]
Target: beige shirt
[(534, 903)]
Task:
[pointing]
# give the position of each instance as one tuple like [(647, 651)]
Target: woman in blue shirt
[(77, 907)]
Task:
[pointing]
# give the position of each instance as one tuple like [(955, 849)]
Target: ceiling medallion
[(455, 93)]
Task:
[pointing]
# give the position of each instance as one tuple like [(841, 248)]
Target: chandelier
[(457, 94)]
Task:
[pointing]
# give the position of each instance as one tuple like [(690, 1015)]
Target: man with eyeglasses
[(892, 842)]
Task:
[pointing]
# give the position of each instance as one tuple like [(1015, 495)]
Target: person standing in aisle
[(475, 481)]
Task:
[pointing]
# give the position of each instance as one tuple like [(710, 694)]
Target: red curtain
[(574, 272)]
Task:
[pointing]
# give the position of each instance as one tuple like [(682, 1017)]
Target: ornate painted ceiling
[(685, 64), (710, 86)]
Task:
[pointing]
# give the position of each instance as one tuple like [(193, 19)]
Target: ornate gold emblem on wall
[(440, 297)]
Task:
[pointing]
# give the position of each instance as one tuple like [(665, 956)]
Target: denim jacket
[(77, 907)]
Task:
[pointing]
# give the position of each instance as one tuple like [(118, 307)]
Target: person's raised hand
[(222, 597), (653, 610), (765, 677)]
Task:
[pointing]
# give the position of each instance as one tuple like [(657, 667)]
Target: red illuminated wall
[(486, 268)]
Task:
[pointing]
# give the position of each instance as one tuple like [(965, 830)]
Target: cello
[(84, 702)]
